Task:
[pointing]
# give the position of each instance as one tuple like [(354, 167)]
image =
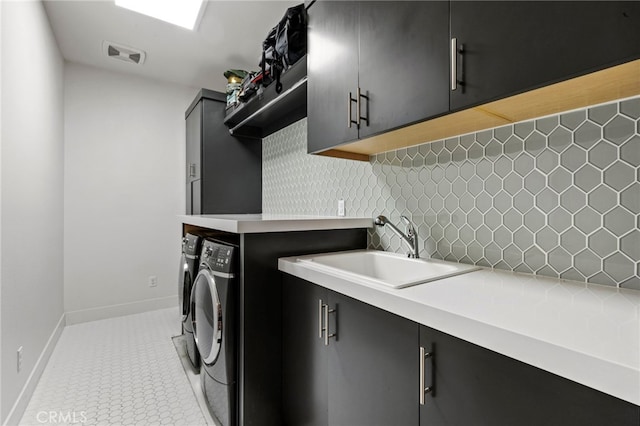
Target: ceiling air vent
[(123, 53)]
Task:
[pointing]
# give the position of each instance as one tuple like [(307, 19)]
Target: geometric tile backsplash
[(556, 196)]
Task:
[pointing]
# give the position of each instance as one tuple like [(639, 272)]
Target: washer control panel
[(190, 244), (218, 257)]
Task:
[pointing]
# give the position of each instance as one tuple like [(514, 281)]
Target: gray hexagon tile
[(587, 134), (630, 108), (630, 151), (547, 125), (557, 196), (618, 130), (573, 119), (603, 113)]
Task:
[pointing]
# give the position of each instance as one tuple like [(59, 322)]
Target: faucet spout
[(410, 238)]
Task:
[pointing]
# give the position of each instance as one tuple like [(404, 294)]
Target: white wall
[(124, 186), (1, 416), (32, 191)]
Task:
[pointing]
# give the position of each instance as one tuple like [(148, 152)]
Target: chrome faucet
[(410, 238)]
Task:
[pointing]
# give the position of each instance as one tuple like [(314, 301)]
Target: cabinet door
[(304, 363), (193, 142), (193, 156), (511, 47), (404, 62), (373, 366), (473, 385), (332, 73)]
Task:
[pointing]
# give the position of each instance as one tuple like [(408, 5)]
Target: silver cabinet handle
[(423, 388), (327, 336), (457, 52), (192, 170), (320, 325), (454, 63)]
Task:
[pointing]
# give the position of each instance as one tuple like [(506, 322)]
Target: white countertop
[(584, 332), (259, 223)]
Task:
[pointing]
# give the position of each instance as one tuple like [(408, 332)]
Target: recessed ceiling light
[(184, 13)]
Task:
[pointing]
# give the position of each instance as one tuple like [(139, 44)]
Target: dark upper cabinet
[(381, 65), (374, 66), (473, 385), (403, 63), (223, 172), (365, 372), (510, 47), (332, 70)]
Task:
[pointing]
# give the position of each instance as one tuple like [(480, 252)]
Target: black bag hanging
[(291, 40), (268, 64), (285, 44)]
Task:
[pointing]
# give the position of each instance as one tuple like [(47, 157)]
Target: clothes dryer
[(214, 303), (189, 265)]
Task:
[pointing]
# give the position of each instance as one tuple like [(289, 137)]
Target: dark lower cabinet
[(260, 325), (372, 365), (475, 386), (304, 356), (367, 374)]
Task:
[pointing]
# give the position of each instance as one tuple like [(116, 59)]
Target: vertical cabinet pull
[(323, 321), (423, 388), (455, 53), (327, 336), (358, 102), (192, 170), (454, 63), (350, 119), (320, 319)]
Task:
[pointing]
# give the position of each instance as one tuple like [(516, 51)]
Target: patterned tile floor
[(119, 371)]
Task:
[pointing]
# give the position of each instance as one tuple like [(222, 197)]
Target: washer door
[(184, 287), (206, 311)]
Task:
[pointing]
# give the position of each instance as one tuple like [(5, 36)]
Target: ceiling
[(229, 36)]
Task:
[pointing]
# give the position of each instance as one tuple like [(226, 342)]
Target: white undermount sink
[(380, 268)]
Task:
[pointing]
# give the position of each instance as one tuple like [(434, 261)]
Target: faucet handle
[(409, 229)]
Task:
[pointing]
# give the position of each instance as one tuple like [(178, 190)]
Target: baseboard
[(29, 387), (112, 311)]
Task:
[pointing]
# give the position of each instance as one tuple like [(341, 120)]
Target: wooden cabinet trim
[(619, 82)]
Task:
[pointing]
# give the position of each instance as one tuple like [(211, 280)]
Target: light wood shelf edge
[(338, 153), (618, 82)]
